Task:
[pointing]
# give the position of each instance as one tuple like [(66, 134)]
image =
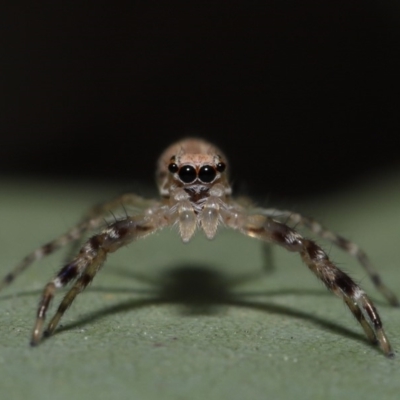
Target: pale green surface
[(144, 331)]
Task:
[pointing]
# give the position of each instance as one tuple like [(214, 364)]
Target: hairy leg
[(349, 247), (271, 231), (93, 220), (88, 262)]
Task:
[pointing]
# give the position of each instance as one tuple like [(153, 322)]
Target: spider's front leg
[(271, 231), (93, 220), (89, 260)]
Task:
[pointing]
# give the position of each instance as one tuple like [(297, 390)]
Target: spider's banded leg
[(88, 262), (269, 230), (344, 244), (99, 212), (74, 234)]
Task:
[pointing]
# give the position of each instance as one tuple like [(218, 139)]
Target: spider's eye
[(221, 167), (207, 173), (173, 168), (187, 174)]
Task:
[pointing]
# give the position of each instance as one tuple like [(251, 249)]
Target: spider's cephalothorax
[(195, 193), (192, 179)]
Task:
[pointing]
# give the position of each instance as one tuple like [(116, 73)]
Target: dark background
[(302, 95)]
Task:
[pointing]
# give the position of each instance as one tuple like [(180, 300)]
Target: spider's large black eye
[(221, 167), (173, 168), (207, 173), (187, 174)]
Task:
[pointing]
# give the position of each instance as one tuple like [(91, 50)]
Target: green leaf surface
[(164, 320)]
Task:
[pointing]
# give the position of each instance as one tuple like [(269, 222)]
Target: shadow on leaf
[(198, 290)]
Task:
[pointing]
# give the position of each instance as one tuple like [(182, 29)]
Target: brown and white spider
[(195, 194)]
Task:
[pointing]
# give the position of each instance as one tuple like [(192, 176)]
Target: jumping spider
[(196, 194)]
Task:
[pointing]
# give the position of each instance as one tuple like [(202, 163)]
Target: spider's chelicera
[(195, 193)]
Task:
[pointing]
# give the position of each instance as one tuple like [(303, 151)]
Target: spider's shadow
[(201, 290)]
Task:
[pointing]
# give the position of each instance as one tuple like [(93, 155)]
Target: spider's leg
[(344, 244), (101, 211), (267, 254), (88, 262), (72, 235), (271, 231)]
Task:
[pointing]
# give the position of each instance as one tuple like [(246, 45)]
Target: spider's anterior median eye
[(187, 174), (173, 168), (207, 173), (221, 167)]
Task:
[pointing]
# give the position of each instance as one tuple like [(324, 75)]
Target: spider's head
[(191, 164), (191, 171)]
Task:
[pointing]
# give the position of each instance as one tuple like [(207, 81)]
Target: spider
[(195, 193)]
